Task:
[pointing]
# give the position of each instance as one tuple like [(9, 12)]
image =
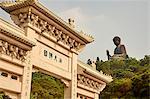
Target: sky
[(104, 19)]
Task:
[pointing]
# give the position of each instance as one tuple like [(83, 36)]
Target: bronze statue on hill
[(119, 51)]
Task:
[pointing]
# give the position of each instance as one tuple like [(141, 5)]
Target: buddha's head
[(116, 40)]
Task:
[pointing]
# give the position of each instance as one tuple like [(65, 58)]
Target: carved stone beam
[(65, 82)]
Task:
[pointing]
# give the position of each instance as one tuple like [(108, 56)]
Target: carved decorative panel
[(45, 28), (81, 79), (12, 50)]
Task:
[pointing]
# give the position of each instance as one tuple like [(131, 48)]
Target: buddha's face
[(116, 42)]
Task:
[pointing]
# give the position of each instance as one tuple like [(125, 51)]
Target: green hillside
[(131, 78)]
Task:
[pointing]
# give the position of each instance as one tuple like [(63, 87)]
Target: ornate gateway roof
[(31, 11)]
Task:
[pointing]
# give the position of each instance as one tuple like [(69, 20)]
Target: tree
[(46, 87), (3, 95), (141, 85), (131, 78), (145, 61)]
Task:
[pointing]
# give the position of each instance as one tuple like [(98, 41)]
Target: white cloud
[(74, 13), (80, 18)]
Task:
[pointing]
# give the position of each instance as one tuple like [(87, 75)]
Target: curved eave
[(11, 6), (14, 32), (95, 73), (17, 5)]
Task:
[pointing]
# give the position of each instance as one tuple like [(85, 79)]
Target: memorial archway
[(44, 41)]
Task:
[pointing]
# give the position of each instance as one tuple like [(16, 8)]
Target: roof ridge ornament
[(10, 5), (20, 0), (11, 1), (86, 35), (71, 22), (24, 0), (14, 1)]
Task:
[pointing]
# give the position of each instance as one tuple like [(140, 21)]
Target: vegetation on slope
[(131, 78), (3, 95), (46, 87)]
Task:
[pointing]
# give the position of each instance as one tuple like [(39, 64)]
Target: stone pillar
[(30, 33), (67, 89), (27, 73), (67, 92), (26, 79), (74, 77)]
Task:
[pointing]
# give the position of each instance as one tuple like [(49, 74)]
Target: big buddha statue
[(119, 51)]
